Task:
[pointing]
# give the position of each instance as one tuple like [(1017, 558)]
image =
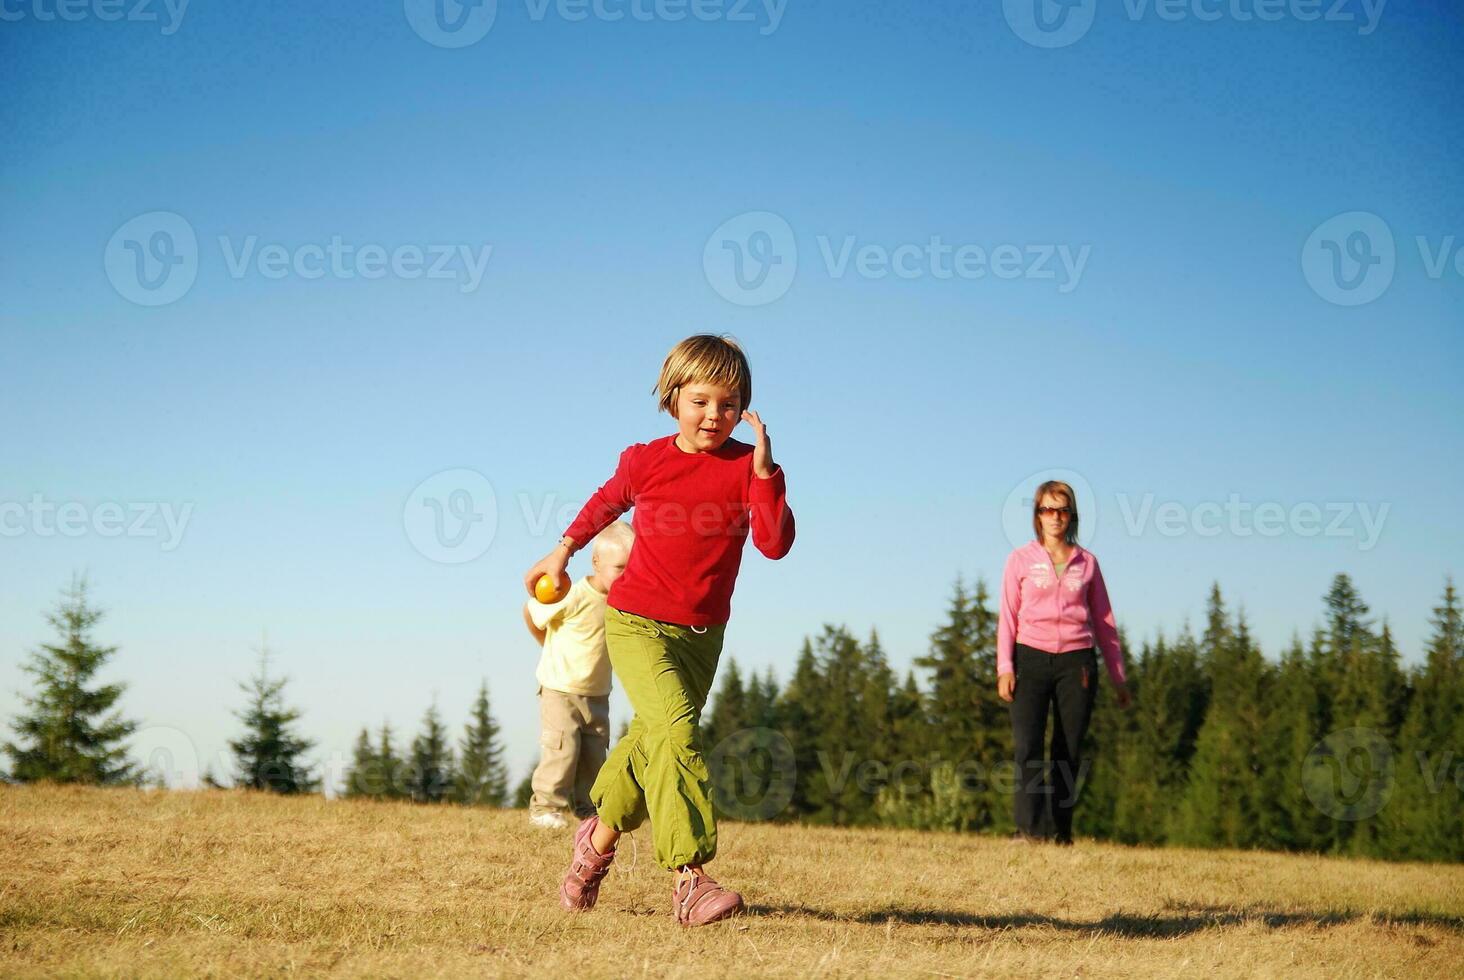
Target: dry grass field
[(131, 883)]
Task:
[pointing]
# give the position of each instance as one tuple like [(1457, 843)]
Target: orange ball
[(548, 591)]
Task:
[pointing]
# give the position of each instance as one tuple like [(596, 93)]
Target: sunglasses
[(1055, 511)]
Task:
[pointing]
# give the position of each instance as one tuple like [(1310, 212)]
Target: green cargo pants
[(658, 769)]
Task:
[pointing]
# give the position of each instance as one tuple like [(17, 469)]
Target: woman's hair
[(619, 534), (1057, 489), (704, 359)]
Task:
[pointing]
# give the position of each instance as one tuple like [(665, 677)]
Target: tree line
[(1333, 747), (72, 731), (430, 771)]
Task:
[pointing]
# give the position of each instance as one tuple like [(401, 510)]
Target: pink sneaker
[(581, 885), (700, 900)]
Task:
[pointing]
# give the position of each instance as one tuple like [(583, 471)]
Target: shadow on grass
[(1179, 921)]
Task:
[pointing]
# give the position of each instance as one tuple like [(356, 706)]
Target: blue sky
[(1198, 357)]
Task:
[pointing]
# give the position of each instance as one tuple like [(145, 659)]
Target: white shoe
[(549, 821)]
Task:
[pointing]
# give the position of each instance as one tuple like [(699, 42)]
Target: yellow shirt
[(574, 660)]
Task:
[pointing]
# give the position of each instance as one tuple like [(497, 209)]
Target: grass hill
[(127, 882)]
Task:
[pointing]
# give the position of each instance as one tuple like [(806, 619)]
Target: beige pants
[(574, 736)]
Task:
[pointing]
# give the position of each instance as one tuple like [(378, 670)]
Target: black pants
[(1047, 789)]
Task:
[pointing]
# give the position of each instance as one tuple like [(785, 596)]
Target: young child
[(696, 495), (574, 685)]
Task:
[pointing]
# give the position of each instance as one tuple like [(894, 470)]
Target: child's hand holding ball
[(550, 590)]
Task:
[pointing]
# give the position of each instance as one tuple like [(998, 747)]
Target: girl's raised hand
[(762, 453)]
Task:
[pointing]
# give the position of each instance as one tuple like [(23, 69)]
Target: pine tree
[(842, 743), (910, 726), (482, 775), (906, 799), (1338, 647), (267, 756), (1393, 683), (752, 768), (71, 732), (971, 722), (1138, 762), (799, 719), (1364, 694), (1424, 818), (524, 791), (393, 769), (876, 708), (1222, 798), (1173, 693), (365, 778), (1111, 729), (1375, 699), (728, 714), (762, 701), (430, 775), (1190, 686), (1289, 820)]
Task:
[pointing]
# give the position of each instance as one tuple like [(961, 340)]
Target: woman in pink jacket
[(1054, 613)]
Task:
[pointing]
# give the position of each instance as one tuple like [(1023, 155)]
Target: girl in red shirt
[(697, 495)]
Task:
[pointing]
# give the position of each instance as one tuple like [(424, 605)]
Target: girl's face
[(706, 414), (1055, 514)]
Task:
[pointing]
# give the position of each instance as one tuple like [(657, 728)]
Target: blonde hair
[(704, 359), (1057, 489), (617, 535)]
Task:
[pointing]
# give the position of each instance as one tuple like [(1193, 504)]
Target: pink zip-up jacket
[(1041, 612)]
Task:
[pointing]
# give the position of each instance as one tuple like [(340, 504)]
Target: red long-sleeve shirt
[(692, 516)]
